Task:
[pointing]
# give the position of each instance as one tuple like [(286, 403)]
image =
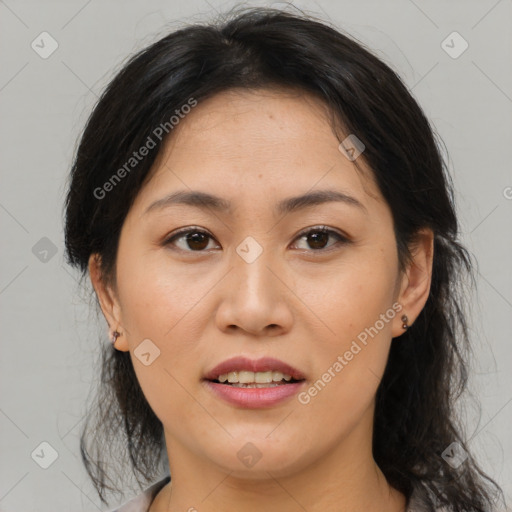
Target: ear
[(108, 301), (415, 280)]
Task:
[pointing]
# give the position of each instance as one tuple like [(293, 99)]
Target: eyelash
[(342, 240)]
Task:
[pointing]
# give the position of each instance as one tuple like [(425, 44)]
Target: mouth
[(248, 379), (266, 371), (254, 383)]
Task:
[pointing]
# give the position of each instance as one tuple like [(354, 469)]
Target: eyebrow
[(205, 200)]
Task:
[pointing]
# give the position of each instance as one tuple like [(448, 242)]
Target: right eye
[(189, 240)]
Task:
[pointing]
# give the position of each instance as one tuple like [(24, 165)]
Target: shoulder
[(142, 502)]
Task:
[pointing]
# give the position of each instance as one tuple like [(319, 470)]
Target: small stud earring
[(405, 325), (115, 335)]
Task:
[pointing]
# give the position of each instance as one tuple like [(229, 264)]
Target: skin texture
[(296, 302)]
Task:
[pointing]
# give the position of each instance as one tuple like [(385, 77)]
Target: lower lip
[(254, 398)]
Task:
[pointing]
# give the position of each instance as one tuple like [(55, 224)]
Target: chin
[(258, 458)]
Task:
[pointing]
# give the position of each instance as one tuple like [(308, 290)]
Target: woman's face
[(251, 282)]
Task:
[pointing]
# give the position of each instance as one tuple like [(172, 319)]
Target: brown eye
[(197, 241), (191, 240), (318, 238)]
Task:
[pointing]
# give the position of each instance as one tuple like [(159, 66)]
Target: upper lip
[(264, 364)]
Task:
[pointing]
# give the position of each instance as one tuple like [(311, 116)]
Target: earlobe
[(108, 302), (416, 280)]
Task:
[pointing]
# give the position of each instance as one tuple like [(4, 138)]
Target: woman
[(265, 216)]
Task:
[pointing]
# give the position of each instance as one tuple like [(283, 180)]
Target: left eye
[(318, 237), (196, 239)]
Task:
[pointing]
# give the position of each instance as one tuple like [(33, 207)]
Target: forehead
[(254, 116), (256, 144)]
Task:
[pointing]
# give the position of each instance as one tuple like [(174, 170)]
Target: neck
[(343, 480)]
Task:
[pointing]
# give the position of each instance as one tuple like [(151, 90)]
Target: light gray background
[(49, 336)]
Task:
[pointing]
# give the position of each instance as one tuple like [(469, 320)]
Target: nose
[(254, 298)]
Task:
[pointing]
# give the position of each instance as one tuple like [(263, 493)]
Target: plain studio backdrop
[(455, 57)]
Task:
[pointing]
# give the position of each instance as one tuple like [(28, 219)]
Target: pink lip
[(254, 398), (264, 364)]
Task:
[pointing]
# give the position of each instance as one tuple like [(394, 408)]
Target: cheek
[(350, 298), (167, 317), (357, 316), (158, 298), (163, 307), (348, 373)]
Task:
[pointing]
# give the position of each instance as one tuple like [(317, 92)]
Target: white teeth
[(253, 385), (244, 377), (247, 377), (277, 376), (263, 377)]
